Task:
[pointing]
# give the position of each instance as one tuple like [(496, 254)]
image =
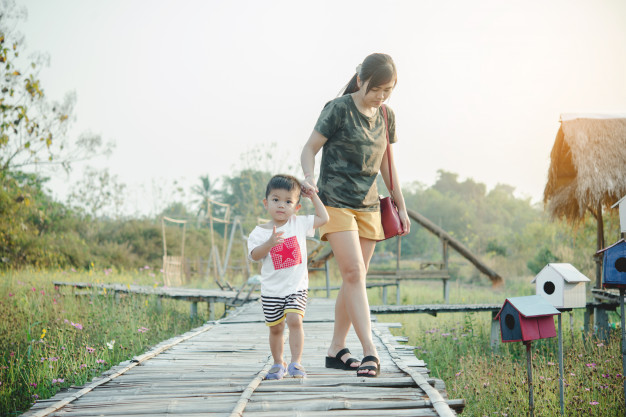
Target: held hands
[(308, 191), (309, 185), (276, 238)]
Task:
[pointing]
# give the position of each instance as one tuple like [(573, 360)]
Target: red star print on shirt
[(287, 254)]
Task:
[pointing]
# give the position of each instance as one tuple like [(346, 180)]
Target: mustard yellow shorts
[(367, 223)]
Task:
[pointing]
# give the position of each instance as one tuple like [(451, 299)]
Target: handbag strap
[(388, 147)]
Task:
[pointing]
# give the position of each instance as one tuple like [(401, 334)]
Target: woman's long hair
[(379, 69)]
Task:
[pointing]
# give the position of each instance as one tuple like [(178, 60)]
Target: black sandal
[(337, 363), (369, 367)]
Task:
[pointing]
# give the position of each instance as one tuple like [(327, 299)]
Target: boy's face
[(282, 204)]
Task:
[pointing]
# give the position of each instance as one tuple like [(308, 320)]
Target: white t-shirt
[(284, 270)]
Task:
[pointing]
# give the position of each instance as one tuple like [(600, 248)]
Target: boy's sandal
[(277, 371), (369, 367), (337, 363), (296, 370)]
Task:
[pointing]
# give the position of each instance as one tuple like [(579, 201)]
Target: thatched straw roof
[(588, 165)]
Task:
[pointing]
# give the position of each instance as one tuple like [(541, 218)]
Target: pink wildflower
[(90, 349), (593, 403)]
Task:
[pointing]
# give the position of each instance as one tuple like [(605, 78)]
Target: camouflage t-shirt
[(352, 155)]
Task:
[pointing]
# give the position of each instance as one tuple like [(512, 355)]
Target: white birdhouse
[(562, 285), (622, 213)]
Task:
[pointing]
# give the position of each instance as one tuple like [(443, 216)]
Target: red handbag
[(390, 219)]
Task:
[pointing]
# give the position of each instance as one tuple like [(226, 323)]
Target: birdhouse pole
[(529, 364), (621, 306), (561, 384)]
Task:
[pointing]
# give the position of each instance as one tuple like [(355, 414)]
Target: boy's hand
[(308, 192), (276, 238), (309, 185)]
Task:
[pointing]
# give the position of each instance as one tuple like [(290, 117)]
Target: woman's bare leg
[(352, 307)]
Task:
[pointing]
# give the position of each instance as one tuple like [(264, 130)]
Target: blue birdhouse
[(614, 265), (526, 318)]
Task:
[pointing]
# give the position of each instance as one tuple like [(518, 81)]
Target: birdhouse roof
[(586, 165), (566, 271), (531, 306), (619, 242), (619, 201)]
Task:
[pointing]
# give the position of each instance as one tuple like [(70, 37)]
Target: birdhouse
[(526, 318), (614, 265), (562, 285), (622, 213)]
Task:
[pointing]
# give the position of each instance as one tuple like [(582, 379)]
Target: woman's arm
[(396, 194), (307, 159)]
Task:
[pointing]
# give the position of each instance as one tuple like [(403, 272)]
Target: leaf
[(16, 73)]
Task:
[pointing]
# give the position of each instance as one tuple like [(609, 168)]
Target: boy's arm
[(263, 249), (321, 215)]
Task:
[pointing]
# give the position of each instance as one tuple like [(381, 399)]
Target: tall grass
[(51, 339), (456, 348)]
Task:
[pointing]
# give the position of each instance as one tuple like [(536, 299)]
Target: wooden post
[(494, 340), (571, 325), (398, 251), (446, 288), (384, 295), (529, 365), (327, 278), (398, 292), (193, 309), (621, 306), (211, 308), (602, 324), (599, 244), (561, 385)]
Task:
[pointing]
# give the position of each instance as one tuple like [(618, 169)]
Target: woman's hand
[(406, 222), (308, 185)]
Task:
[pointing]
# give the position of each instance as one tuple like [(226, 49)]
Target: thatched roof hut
[(588, 165), (587, 168)]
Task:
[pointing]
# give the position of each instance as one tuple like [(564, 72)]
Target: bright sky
[(185, 87)]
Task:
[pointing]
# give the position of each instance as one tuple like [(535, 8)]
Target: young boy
[(281, 244)]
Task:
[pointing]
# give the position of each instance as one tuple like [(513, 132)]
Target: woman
[(351, 130)]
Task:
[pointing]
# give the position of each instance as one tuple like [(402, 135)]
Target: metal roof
[(567, 271), (532, 306)]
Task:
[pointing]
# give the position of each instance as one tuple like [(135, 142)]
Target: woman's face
[(377, 95)]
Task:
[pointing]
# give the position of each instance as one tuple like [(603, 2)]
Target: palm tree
[(203, 192)]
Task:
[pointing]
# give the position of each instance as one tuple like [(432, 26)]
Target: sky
[(190, 88)]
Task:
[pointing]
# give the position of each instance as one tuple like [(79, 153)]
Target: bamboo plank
[(219, 372)]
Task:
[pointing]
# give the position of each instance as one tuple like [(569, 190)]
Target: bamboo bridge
[(218, 370)]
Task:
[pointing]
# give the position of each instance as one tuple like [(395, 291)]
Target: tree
[(203, 192), (34, 130), (99, 193)]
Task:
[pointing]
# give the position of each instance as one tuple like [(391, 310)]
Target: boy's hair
[(283, 182)]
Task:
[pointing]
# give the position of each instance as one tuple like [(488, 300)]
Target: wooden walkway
[(218, 370)]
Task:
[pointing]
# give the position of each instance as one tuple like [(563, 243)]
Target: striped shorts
[(275, 308)]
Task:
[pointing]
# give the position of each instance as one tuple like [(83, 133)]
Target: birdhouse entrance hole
[(509, 321), (620, 264), (549, 287)]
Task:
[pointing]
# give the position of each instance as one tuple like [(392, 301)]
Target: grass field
[(51, 339), (456, 349)]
